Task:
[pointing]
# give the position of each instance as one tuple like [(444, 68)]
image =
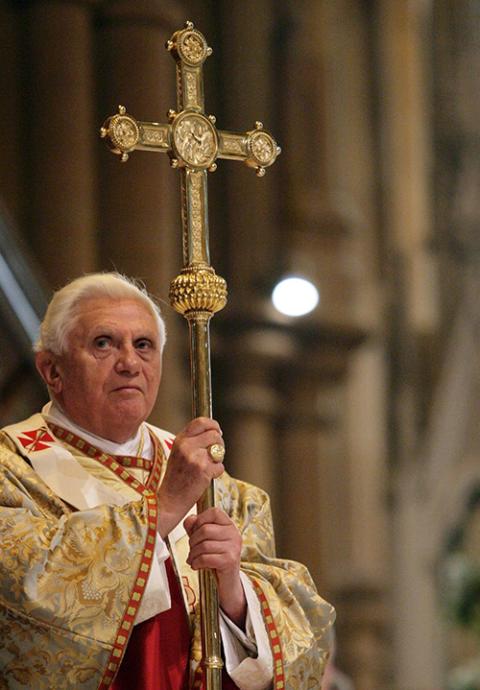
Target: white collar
[(52, 412)]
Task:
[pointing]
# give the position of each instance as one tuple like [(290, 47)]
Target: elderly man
[(100, 539)]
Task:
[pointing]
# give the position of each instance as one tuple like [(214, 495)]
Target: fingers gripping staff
[(193, 144), (216, 543), (190, 471)]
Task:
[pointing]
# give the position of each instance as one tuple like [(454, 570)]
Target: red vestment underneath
[(157, 654)]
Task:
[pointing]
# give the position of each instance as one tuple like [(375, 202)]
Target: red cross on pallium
[(39, 439), (169, 443)]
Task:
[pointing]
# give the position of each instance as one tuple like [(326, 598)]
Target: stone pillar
[(361, 582), (403, 36), (351, 158), (140, 230), (247, 404), (333, 236), (304, 457), (251, 439), (403, 51), (365, 419), (61, 138), (318, 209), (245, 231), (418, 651), (311, 454)]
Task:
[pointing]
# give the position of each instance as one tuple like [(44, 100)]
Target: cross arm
[(191, 140), (125, 134), (256, 148)]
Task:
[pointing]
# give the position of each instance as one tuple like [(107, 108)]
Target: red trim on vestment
[(126, 626), (274, 639), (157, 656), (112, 463), (116, 463)]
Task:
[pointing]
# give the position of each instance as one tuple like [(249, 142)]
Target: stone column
[(327, 491), (247, 405), (61, 138), (304, 456), (403, 35), (319, 212), (361, 583), (404, 75), (140, 229), (312, 453), (251, 439), (245, 231)]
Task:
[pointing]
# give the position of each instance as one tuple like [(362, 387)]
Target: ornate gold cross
[(191, 140), (193, 144)]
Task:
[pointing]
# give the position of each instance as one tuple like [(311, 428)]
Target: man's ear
[(47, 367)]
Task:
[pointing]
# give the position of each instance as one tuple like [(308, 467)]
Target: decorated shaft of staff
[(193, 144)]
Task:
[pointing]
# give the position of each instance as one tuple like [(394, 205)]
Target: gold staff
[(193, 144)]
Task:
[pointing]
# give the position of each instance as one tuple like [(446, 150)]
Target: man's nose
[(128, 360)]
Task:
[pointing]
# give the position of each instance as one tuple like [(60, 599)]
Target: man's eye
[(144, 344), (103, 342)]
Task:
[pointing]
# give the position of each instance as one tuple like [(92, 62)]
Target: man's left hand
[(216, 543)]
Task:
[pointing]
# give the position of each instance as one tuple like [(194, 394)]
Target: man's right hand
[(189, 472)]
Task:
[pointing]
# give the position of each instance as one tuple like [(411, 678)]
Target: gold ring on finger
[(217, 452)]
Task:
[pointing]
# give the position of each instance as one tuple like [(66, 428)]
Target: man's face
[(107, 380)]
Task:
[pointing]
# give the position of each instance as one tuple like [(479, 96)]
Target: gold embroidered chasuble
[(72, 581)]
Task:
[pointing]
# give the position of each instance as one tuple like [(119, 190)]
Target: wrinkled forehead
[(93, 313)]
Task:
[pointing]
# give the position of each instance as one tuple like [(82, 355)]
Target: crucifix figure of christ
[(193, 144)]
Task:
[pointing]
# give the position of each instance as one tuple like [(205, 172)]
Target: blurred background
[(361, 417)]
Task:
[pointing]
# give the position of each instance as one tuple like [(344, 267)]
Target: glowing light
[(295, 296)]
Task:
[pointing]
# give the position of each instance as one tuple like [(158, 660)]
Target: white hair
[(60, 316)]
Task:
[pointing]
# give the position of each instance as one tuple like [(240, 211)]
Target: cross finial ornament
[(193, 143), (190, 138)]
